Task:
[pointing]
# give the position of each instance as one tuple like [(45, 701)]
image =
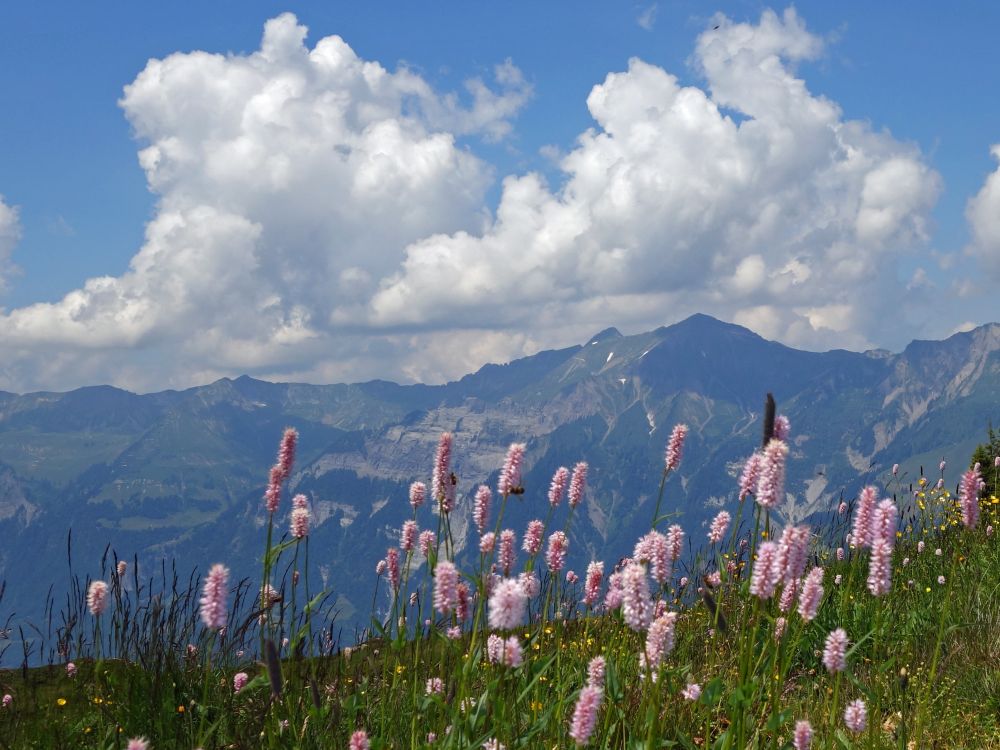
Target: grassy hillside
[(700, 651)]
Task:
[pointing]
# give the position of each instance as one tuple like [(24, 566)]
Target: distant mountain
[(180, 474)]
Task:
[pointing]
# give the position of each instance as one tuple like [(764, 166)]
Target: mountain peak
[(608, 334)]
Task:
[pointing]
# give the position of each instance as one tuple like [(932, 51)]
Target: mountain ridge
[(181, 473)]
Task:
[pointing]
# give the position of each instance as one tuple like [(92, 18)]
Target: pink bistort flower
[(585, 714), (577, 483), (863, 516), (782, 427), (213, 597), (812, 594), (442, 486), (299, 527), (418, 491), (445, 587), (555, 555), (592, 584), (637, 609), (510, 475), (675, 447), (969, 496), (835, 650), (533, 537), (507, 604), (595, 671), (558, 486), (425, 541), (137, 743), (240, 680), (692, 692), (750, 476), (771, 484), (803, 735), (481, 507), (675, 542), (507, 552), (408, 536), (856, 716), (97, 597), (359, 741), (764, 580), (392, 566), (718, 528), (660, 639)]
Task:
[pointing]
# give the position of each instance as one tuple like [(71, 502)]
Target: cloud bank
[(319, 219)]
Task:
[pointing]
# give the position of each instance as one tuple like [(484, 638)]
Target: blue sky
[(921, 81)]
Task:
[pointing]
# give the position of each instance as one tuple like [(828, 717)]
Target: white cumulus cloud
[(317, 218), (752, 199), (10, 234), (289, 181), (983, 215)]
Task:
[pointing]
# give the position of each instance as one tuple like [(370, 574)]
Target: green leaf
[(776, 720)]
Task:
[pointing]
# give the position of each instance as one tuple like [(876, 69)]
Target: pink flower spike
[(445, 587), (137, 743), (803, 735), (675, 542), (782, 427), (592, 584), (675, 447), (71, 669), (637, 609), (299, 527), (880, 568), (771, 484), (442, 488), (7, 700), (507, 552), (750, 476), (533, 537), (835, 651), (595, 672), (97, 597), (359, 741), (692, 692), (213, 598), (425, 541), (969, 497), (856, 716), (578, 483), (507, 605), (764, 580), (487, 542), (408, 536), (434, 686), (660, 639), (717, 530), (286, 453), (585, 714), (812, 595), (558, 486), (555, 555), (418, 491), (512, 655), (510, 475), (481, 507), (240, 680), (392, 565), (863, 516)]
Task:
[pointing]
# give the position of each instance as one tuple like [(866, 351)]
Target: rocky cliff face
[(181, 473)]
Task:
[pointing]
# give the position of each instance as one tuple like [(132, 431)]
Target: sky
[(334, 192)]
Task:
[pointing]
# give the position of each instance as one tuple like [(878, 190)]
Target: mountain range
[(180, 474)]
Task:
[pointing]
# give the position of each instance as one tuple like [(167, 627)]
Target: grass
[(923, 657)]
